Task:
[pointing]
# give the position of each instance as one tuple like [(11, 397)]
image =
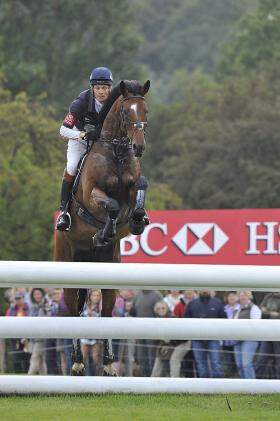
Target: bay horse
[(107, 202)]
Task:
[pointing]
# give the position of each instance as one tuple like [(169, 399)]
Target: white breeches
[(76, 149)]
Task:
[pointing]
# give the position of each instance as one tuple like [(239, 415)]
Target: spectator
[(20, 354), (91, 348), (40, 307), (184, 299), (172, 299), (64, 346), (244, 351), (231, 308), (268, 360), (143, 306), (206, 307), (126, 348), (52, 356), (164, 348), (168, 352)]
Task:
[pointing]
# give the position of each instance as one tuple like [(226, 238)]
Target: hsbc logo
[(200, 239), (194, 239)]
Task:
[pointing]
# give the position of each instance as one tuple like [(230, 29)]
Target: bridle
[(138, 125), (121, 145)]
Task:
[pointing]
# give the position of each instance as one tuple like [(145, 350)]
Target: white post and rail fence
[(137, 276)]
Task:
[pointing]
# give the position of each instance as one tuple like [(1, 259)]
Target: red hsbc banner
[(240, 236)]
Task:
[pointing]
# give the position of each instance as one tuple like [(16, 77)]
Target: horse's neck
[(111, 125)]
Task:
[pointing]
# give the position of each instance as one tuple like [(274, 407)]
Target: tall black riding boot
[(64, 220)]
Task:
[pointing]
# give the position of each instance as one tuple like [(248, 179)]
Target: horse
[(108, 201)]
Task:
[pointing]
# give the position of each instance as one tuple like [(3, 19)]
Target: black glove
[(91, 135)]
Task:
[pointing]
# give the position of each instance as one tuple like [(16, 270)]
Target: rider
[(79, 127)]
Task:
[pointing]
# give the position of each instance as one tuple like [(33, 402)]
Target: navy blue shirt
[(204, 307)]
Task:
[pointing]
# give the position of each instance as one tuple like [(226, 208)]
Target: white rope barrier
[(26, 385), (139, 328), (138, 276)]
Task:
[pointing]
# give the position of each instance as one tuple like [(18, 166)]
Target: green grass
[(140, 407)]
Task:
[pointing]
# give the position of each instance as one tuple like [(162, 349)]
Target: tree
[(185, 34), (30, 171), (218, 146), (52, 46), (256, 43)]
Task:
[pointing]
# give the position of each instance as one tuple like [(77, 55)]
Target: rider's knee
[(69, 176)]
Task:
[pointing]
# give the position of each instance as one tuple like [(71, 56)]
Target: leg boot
[(64, 221)]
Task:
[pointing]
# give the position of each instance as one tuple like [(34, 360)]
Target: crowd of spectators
[(187, 358)]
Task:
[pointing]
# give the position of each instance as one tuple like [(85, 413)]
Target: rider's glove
[(90, 135), (82, 135)]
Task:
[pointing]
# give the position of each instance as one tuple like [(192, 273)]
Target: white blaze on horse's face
[(134, 107)]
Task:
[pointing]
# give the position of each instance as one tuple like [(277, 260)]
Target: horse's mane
[(132, 86), (115, 93)]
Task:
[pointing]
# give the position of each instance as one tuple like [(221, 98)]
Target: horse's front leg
[(108, 302), (139, 219), (75, 299), (100, 199)]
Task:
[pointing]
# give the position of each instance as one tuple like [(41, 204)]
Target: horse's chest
[(123, 180)]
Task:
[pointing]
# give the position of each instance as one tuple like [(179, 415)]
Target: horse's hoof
[(136, 228), (78, 369), (138, 215), (109, 370)]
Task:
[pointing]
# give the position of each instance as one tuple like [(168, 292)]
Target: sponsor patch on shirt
[(70, 120)]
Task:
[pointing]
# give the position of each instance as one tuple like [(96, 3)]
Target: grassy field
[(140, 407)]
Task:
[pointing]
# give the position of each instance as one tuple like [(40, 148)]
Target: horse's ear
[(146, 87), (123, 89)]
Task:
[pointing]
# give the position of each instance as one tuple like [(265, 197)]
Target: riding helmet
[(101, 76)]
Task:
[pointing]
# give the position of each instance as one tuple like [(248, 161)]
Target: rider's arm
[(68, 128), (68, 133)]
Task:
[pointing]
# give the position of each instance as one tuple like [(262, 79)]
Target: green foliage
[(30, 171), (185, 34), (161, 197), (256, 43), (218, 146), (51, 46)]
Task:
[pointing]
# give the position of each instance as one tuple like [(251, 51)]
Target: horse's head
[(134, 113)]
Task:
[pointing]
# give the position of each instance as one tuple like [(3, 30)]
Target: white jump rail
[(139, 328), (138, 276), (52, 385)]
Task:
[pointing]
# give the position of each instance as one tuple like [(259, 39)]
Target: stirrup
[(63, 225)]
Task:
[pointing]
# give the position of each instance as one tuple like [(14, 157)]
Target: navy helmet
[(101, 76)]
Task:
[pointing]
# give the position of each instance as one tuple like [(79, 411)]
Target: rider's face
[(101, 92)]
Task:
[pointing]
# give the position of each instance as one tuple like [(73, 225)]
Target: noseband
[(139, 125)]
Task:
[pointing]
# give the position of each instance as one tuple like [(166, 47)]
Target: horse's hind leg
[(109, 253), (108, 302), (75, 299), (139, 219)]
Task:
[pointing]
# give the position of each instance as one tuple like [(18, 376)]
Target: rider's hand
[(90, 135), (82, 135)]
